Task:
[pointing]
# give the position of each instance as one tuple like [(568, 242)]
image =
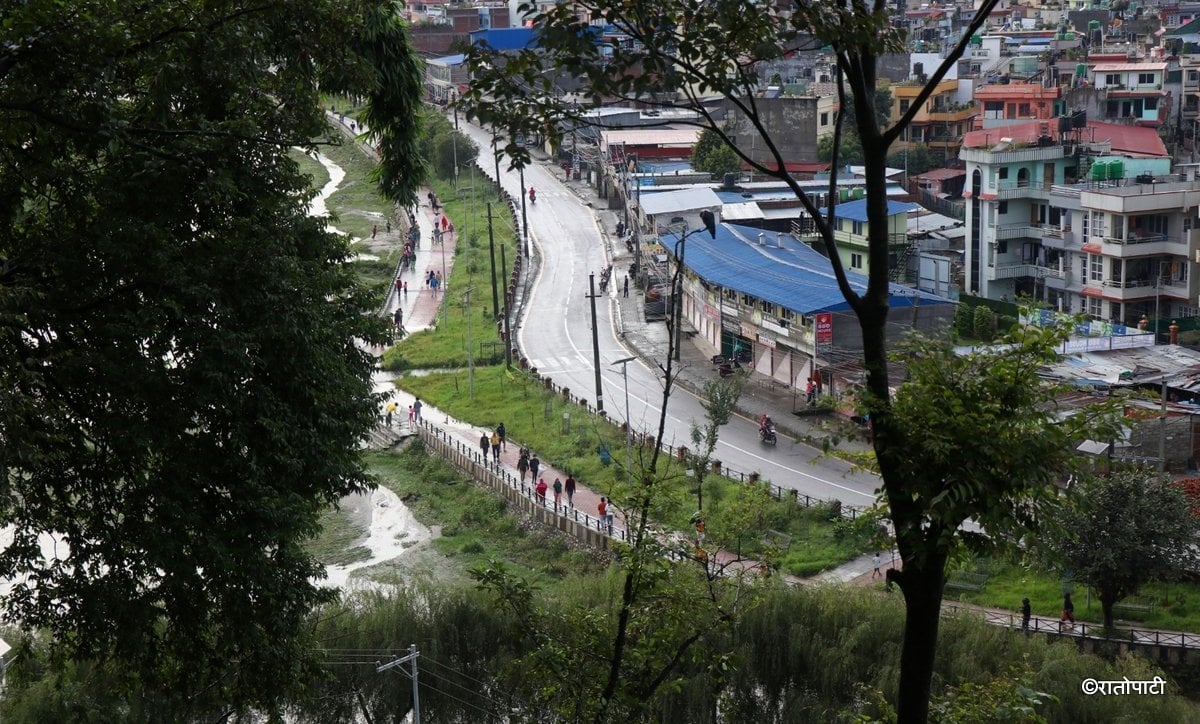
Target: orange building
[(1006, 103)]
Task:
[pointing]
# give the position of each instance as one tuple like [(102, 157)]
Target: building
[(775, 298), (1087, 220), (1006, 104), (851, 229), (942, 119), (1134, 92)]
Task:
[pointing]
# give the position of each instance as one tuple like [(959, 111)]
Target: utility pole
[(507, 329), (628, 422), (496, 158), (411, 658), (470, 355), (524, 217), (492, 257), (595, 343)]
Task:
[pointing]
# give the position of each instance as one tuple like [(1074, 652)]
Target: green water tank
[(1093, 25), (844, 194), (1099, 170), (1116, 169), (1081, 70), (857, 193), (976, 39)]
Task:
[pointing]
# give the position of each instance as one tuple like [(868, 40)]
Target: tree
[(984, 324), (711, 154), (181, 391), (674, 59), (847, 149), (917, 160), (1123, 530)]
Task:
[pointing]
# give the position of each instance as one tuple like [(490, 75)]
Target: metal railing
[(1080, 630)]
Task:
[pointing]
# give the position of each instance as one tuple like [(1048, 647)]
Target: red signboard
[(824, 326)]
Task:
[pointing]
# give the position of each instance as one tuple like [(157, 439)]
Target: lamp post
[(628, 423), (524, 217), (710, 225)]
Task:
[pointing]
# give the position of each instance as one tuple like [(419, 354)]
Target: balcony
[(1018, 155), (1046, 233), (1141, 245), (1023, 269), (1056, 238), (952, 115), (1022, 190)]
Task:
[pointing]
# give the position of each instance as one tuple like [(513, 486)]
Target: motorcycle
[(767, 435)]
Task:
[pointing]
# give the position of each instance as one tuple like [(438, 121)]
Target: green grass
[(533, 416), (1176, 605), (475, 525), (356, 205), (310, 167), (335, 545)]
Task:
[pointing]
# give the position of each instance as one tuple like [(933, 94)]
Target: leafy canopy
[(181, 393)]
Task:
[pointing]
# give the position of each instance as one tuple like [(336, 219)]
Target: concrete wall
[(792, 123)]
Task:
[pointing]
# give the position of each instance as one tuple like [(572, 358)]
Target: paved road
[(555, 334)]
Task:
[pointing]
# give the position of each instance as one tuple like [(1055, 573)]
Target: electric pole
[(595, 343)]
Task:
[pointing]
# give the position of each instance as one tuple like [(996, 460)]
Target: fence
[(468, 459), (1089, 631)]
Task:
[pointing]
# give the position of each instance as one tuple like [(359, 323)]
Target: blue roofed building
[(850, 234), (771, 298)]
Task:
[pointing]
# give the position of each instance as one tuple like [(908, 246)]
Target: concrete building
[(942, 120), (1087, 220)]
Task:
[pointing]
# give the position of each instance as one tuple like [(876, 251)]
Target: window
[(1002, 247), (1096, 267), (1146, 79), (1003, 172), (858, 228), (904, 105), (748, 300), (856, 261), (767, 308), (1024, 110), (1002, 207), (1112, 79), (1095, 307), (787, 315), (824, 119), (1151, 104), (1097, 223)]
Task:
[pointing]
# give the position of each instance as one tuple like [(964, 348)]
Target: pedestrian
[(523, 464), (406, 290), (391, 408), (503, 437), (570, 488), (483, 445), (602, 514), (557, 492), (534, 464), (810, 392), (399, 284), (1068, 612), (410, 414), (450, 231), (417, 410), (496, 447), (398, 318), (445, 223), (430, 197), (374, 230), (389, 226), (1026, 611), (541, 490), (625, 291), (875, 560), (608, 516), (437, 280)]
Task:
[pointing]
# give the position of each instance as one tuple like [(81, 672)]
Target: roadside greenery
[(533, 416)]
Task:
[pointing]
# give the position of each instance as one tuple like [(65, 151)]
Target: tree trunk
[(922, 588), (1107, 601)]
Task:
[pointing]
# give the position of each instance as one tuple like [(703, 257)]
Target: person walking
[(398, 318), (389, 226), (503, 437), (496, 447), (388, 411), (374, 230), (625, 292), (541, 491), (523, 464), (810, 392), (570, 488), (483, 445), (406, 290), (1068, 612), (609, 514), (558, 488), (417, 409), (602, 514), (410, 414), (875, 560), (1026, 612), (534, 464)]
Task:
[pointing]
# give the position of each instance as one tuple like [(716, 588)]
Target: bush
[(964, 320), (984, 324)]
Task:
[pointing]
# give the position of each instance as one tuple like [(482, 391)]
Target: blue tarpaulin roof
[(449, 59), (505, 38), (857, 210), (782, 271)]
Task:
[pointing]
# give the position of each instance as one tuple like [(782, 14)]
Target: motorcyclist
[(532, 195), (764, 424)]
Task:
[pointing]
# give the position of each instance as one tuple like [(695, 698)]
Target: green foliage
[(964, 320), (445, 146), (713, 155), (181, 392), (1122, 530), (1005, 699), (919, 159), (983, 326), (850, 150), (992, 402)]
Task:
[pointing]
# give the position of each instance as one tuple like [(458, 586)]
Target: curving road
[(555, 334)]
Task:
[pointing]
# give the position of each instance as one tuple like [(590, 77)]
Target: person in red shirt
[(541, 490)]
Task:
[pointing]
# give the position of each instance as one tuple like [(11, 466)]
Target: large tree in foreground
[(1124, 530), (675, 55), (181, 393)]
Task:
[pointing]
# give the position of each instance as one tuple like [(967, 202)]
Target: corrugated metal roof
[(857, 210), (783, 271), (652, 136), (672, 202), (448, 60)]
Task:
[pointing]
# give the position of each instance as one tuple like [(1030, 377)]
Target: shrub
[(964, 320), (984, 325)]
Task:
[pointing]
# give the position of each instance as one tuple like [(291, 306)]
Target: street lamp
[(628, 423), (710, 225)]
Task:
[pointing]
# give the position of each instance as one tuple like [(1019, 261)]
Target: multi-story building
[(942, 120), (1134, 92), (851, 229), (1088, 220), (1006, 104)]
